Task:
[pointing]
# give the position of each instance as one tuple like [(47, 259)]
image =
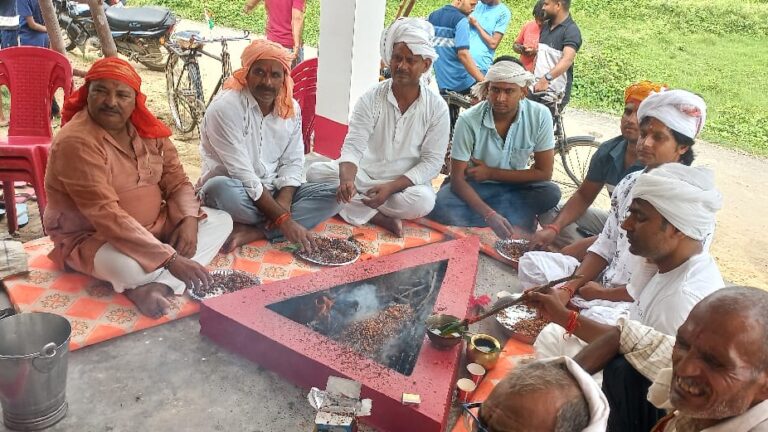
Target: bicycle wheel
[(185, 92), (576, 156)]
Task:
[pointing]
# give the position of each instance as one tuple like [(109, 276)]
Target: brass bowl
[(484, 350), (437, 321)]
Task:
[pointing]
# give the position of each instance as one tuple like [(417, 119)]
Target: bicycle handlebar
[(245, 36)]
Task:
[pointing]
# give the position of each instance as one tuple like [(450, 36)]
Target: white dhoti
[(411, 203), (539, 267), (123, 272)]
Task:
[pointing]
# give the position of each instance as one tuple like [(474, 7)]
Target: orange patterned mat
[(97, 313), (487, 237)]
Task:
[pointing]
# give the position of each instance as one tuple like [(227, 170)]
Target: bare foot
[(388, 223), (242, 234), (151, 299)]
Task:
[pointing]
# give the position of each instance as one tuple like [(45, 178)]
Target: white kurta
[(238, 141), (385, 144)]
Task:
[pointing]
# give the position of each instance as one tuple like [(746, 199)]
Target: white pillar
[(348, 65)]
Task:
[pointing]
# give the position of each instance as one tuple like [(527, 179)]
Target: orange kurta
[(99, 193)]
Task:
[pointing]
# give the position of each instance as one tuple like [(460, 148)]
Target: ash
[(382, 317)]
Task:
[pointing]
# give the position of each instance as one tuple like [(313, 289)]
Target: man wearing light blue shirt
[(491, 183), (488, 24)]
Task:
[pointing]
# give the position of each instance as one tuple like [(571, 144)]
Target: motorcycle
[(139, 32)]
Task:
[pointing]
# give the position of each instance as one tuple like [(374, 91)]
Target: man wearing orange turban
[(120, 206), (615, 158), (253, 154)]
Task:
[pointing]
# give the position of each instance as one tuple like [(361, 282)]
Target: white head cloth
[(685, 196), (596, 400), (506, 72), (417, 33), (680, 110)]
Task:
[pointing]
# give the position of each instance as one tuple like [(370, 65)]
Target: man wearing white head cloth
[(397, 138), (666, 136), (491, 182)]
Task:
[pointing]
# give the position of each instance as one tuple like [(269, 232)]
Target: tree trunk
[(54, 31), (102, 29)]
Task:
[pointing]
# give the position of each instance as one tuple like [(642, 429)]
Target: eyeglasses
[(472, 421)]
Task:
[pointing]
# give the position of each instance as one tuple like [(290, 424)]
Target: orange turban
[(146, 124), (641, 90), (262, 49)]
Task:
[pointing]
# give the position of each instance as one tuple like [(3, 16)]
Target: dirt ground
[(740, 246)]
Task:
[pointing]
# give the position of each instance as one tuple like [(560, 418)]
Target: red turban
[(146, 124), (262, 49)]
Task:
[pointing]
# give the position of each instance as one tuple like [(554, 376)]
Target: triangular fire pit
[(364, 322)]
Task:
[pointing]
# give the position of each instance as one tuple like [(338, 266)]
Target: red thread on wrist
[(573, 323), (554, 228), (279, 220)]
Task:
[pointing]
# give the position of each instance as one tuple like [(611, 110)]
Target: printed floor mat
[(97, 313)]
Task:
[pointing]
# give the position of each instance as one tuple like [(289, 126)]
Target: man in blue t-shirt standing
[(491, 183), (455, 69), (32, 29), (488, 24)]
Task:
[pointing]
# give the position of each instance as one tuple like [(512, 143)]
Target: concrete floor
[(170, 378)]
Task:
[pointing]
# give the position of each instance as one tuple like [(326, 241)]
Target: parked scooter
[(138, 32)]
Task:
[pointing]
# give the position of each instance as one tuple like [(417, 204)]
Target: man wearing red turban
[(570, 223), (120, 206), (253, 154)]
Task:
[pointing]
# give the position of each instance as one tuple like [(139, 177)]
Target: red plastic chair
[(305, 92), (32, 75)]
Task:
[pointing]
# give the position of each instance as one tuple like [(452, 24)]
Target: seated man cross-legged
[(120, 207), (397, 138), (253, 154), (491, 183)]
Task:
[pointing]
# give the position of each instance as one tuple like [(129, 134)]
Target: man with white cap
[(491, 182), (666, 135), (397, 138), (672, 211), (548, 395)]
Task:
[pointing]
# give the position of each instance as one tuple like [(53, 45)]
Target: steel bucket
[(33, 369)]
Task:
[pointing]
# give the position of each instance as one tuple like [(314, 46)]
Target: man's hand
[(549, 305), (531, 51), (284, 201), (478, 171), (592, 290), (184, 237), (472, 21), (377, 195), (299, 235), (500, 225), (250, 5), (192, 273), (346, 192), (543, 238), (541, 85)]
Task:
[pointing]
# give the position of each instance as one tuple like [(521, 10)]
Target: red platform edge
[(241, 323)]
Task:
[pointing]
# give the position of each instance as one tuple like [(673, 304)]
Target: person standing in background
[(488, 24), (285, 24), (527, 42)]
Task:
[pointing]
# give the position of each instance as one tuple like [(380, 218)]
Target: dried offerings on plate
[(225, 281), (332, 251)]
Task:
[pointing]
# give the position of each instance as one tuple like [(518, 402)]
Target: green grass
[(713, 47)]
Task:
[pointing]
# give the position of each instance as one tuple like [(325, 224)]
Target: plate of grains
[(512, 249), (521, 323), (332, 251), (224, 282)]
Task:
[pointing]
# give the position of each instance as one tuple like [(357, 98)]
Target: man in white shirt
[(397, 138), (714, 374), (673, 209), (253, 154), (666, 135)]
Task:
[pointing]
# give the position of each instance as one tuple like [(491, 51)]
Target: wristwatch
[(548, 76)]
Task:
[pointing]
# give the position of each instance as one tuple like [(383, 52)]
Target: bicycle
[(575, 152), (186, 99)]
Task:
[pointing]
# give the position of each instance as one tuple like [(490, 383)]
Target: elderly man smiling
[(713, 375), (120, 206), (397, 139)]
